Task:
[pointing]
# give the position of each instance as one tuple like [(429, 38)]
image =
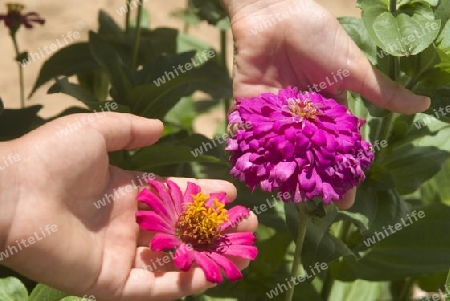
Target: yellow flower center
[(306, 108), (14, 8), (199, 224)]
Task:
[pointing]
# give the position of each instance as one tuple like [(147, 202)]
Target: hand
[(299, 43), (95, 251)]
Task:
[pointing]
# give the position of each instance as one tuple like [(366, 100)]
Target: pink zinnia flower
[(197, 226), (300, 143)]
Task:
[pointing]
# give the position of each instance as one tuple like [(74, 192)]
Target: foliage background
[(389, 271)]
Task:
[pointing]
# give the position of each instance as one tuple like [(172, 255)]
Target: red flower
[(14, 18)]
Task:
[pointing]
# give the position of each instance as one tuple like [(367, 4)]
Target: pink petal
[(246, 252), (147, 197), (163, 193), (230, 269), (209, 267), (235, 216), (240, 238), (162, 242), (191, 189), (220, 196), (184, 256), (177, 196), (150, 221)]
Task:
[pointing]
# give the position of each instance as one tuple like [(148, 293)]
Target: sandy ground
[(71, 15)]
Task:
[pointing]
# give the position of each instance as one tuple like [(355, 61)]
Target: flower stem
[(223, 62), (127, 16), (21, 79), (302, 222), (137, 37)]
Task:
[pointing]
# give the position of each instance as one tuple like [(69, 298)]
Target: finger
[(144, 285), (348, 200), (208, 186), (378, 88), (127, 131)]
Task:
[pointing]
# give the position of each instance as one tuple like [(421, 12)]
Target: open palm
[(299, 43), (95, 251)]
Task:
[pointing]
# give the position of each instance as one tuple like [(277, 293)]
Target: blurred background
[(71, 15)]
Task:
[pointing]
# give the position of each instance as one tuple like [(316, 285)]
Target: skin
[(302, 49), (97, 252), (101, 252)]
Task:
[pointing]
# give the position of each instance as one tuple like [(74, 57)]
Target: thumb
[(127, 131), (378, 88)]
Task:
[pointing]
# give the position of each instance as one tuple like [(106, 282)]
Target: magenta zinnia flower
[(14, 17), (301, 143), (198, 227)]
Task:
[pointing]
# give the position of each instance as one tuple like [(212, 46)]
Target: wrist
[(9, 188)]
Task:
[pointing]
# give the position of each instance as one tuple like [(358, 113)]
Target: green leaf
[(355, 28), (76, 91), (118, 72), (400, 34), (156, 42), (437, 190), (11, 289), (183, 113), (187, 42), (160, 155), (428, 2), (412, 165), (209, 10), (319, 245), (443, 11), (381, 208), (107, 27), (443, 41), (96, 82), (360, 290), (73, 59), (400, 254), (15, 123), (47, 293)]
